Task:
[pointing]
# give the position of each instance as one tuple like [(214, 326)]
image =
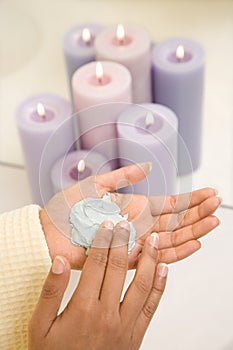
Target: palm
[(179, 220)]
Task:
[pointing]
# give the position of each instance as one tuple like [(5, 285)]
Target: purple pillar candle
[(78, 47), (148, 132), (76, 166), (39, 119), (178, 77)]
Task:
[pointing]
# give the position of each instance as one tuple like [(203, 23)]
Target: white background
[(196, 312)]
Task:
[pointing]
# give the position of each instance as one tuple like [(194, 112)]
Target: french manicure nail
[(162, 270), (125, 225), (109, 225), (154, 240), (150, 166), (58, 265)]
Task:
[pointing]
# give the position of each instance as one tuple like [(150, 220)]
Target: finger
[(175, 204), (123, 177), (170, 222), (51, 297), (97, 186), (116, 268), (92, 276), (142, 283), (134, 255), (188, 233), (151, 303), (174, 254)]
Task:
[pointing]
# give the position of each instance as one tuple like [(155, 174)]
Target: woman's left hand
[(180, 220)]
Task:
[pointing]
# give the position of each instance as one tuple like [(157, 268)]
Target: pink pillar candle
[(148, 132), (131, 46), (76, 166), (93, 88), (39, 119)]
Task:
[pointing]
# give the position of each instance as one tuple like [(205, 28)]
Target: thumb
[(51, 297), (124, 176)]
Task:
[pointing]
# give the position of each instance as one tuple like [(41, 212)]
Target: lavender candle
[(148, 132), (78, 47), (39, 119), (76, 166), (178, 77)]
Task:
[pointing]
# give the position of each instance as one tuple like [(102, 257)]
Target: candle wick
[(88, 42), (120, 34), (42, 116), (121, 41), (149, 120), (81, 166), (41, 111), (99, 72)]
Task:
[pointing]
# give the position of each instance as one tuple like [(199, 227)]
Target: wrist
[(58, 244), (46, 228)]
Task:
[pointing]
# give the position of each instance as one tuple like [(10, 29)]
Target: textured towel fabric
[(25, 261)]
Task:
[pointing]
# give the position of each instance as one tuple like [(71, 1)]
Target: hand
[(179, 220), (95, 318)]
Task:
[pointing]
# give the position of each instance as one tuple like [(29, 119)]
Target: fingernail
[(150, 166), (109, 225), (125, 225), (216, 191), (154, 240), (58, 265), (162, 270), (220, 199)]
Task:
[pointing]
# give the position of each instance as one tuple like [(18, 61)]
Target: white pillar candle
[(94, 85), (76, 166), (39, 119), (148, 132), (131, 46)]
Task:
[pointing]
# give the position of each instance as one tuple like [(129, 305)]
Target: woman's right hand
[(95, 317)]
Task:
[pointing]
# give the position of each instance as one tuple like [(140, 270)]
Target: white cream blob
[(87, 215)]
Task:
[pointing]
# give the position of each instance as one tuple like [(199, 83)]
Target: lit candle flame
[(40, 110), (180, 52), (86, 35), (99, 71), (81, 166), (120, 33), (149, 119)]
